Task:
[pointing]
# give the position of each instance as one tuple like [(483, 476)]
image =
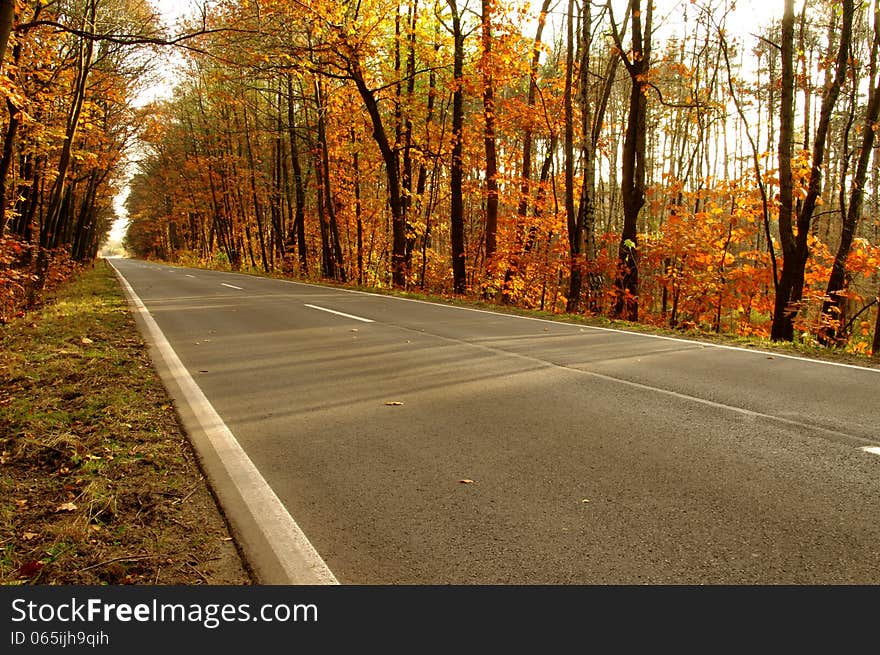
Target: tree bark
[(456, 173), (299, 220), (633, 164), (7, 20), (789, 293), (833, 304), (489, 135)]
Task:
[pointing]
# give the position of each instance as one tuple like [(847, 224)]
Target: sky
[(172, 11)]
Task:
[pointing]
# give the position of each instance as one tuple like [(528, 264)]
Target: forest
[(676, 164)]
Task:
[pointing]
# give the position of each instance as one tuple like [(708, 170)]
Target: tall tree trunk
[(7, 20), (783, 319), (53, 223), (392, 175), (335, 266), (299, 219), (456, 173), (633, 164), (586, 217), (833, 304), (356, 169), (489, 135), (526, 166), (258, 205), (568, 154), (789, 293)]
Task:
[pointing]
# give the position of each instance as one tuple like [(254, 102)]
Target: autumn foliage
[(318, 140)]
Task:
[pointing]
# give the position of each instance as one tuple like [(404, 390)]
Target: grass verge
[(98, 483)]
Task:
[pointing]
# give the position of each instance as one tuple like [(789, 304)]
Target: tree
[(794, 235), (832, 307), (456, 173), (638, 64)]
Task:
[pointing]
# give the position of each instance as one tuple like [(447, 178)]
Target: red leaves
[(29, 570)]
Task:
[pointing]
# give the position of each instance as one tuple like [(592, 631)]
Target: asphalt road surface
[(416, 443)]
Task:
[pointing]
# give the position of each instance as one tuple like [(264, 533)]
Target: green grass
[(95, 468)]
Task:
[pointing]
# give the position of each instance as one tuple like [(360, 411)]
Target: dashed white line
[(874, 450), (231, 286), (192, 276), (351, 316)]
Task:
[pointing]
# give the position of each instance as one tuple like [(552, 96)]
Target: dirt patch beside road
[(98, 482)]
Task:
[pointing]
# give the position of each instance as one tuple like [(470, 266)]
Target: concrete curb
[(274, 546)]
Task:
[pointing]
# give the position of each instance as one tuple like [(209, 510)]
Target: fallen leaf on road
[(466, 481), (586, 500), (393, 403)]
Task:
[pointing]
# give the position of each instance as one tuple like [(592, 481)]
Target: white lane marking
[(330, 311), (192, 276), (874, 450), (223, 284), (300, 560), (704, 344), (748, 413)]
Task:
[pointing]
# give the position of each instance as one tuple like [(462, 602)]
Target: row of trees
[(614, 158), (586, 157), (69, 72)]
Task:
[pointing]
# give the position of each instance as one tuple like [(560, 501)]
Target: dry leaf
[(393, 404), (27, 536), (21, 503), (585, 500), (29, 569), (466, 481), (66, 507), (86, 341)]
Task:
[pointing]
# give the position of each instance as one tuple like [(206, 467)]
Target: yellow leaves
[(66, 507)]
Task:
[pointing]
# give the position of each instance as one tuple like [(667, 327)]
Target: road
[(417, 443)]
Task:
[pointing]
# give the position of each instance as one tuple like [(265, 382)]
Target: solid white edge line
[(223, 284), (302, 563), (331, 311)]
